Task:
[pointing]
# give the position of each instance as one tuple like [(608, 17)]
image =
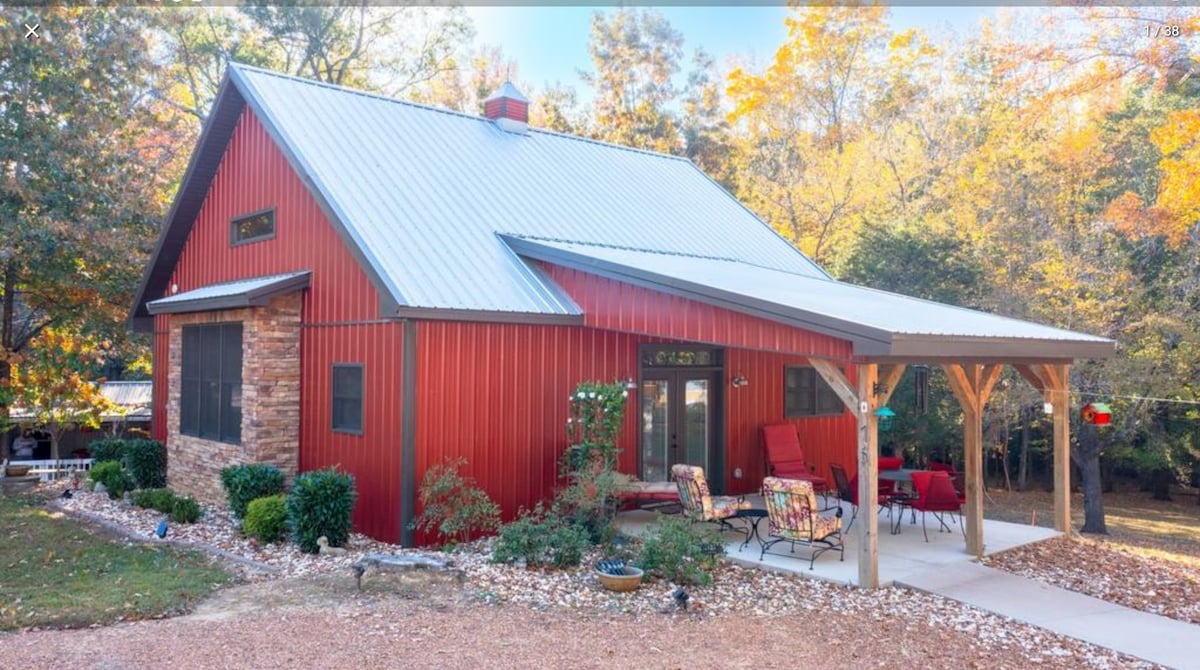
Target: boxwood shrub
[(162, 500), (108, 449), (320, 504), (112, 476), (266, 518), (146, 461), (186, 510), (243, 483)]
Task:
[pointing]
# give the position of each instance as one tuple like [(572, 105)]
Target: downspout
[(408, 432)]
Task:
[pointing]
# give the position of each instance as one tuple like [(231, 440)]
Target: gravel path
[(306, 610)]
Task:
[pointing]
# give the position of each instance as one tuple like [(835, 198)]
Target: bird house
[(1096, 413)]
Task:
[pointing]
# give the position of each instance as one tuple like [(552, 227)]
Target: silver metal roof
[(231, 294), (879, 323), (132, 398), (421, 193)]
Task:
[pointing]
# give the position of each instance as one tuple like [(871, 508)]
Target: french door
[(681, 412)]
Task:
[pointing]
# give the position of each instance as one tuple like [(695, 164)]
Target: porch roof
[(253, 292), (879, 324)]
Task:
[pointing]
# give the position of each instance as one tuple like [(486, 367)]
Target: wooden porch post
[(868, 478), (863, 402), (972, 385), (1053, 380)]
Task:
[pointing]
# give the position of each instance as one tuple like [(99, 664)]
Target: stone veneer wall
[(270, 399)]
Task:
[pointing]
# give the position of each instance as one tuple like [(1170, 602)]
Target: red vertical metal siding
[(373, 457), (255, 175), (497, 395), (613, 305), (826, 439)]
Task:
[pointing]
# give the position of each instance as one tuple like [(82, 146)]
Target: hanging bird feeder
[(1097, 413), (884, 416)]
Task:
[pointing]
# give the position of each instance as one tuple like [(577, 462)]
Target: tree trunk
[(1023, 467), (7, 336), (1161, 483), (1088, 456)]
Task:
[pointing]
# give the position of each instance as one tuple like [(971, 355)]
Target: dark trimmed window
[(252, 227), (348, 398), (805, 393), (210, 397)]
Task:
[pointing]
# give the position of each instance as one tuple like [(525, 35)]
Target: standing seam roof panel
[(424, 191)]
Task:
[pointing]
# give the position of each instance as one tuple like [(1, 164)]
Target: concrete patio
[(900, 556)]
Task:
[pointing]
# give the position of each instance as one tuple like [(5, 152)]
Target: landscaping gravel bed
[(735, 591)]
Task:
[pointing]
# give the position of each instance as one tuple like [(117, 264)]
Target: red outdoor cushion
[(891, 462), (935, 466)]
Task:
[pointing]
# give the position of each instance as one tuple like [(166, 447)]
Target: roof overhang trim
[(257, 295)]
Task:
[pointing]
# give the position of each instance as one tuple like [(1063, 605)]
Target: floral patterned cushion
[(696, 499), (793, 513)]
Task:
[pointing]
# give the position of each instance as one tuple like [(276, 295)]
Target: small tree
[(51, 382)]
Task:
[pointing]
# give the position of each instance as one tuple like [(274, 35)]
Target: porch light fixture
[(739, 380), (885, 415)]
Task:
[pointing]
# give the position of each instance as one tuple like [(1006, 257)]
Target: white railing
[(48, 469)]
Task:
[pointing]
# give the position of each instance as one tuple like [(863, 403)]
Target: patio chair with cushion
[(697, 501), (935, 493), (848, 491), (793, 517), (785, 456)]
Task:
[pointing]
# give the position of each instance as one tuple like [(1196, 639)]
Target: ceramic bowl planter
[(628, 579)]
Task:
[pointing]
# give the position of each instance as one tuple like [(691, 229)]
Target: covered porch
[(730, 303), (898, 556)]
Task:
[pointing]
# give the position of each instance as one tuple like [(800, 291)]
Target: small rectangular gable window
[(348, 398), (253, 227)]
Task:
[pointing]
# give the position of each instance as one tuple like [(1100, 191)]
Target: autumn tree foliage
[(52, 381)]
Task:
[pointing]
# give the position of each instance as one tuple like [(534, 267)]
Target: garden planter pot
[(17, 470), (628, 580)]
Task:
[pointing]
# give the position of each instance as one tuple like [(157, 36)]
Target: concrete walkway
[(1147, 636)]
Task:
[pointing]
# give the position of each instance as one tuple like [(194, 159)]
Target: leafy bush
[(243, 483), (540, 538), (162, 500), (146, 461), (452, 507), (590, 502), (108, 449), (266, 518), (320, 504), (112, 476), (681, 551), (186, 510)]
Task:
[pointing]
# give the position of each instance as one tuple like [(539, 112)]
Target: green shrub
[(162, 500), (266, 518), (112, 476), (108, 449), (243, 483), (186, 510), (452, 507), (146, 461), (681, 551), (320, 504), (541, 539)]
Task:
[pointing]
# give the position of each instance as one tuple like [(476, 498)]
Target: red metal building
[(356, 281)]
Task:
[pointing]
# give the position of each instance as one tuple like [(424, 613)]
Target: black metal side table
[(752, 518)]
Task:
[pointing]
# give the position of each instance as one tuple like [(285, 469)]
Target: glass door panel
[(656, 441), (696, 423)]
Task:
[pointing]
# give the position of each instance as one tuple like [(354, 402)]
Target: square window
[(805, 393)]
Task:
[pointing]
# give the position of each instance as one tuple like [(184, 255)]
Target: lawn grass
[(56, 572)]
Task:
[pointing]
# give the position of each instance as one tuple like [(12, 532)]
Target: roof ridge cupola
[(508, 108)]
